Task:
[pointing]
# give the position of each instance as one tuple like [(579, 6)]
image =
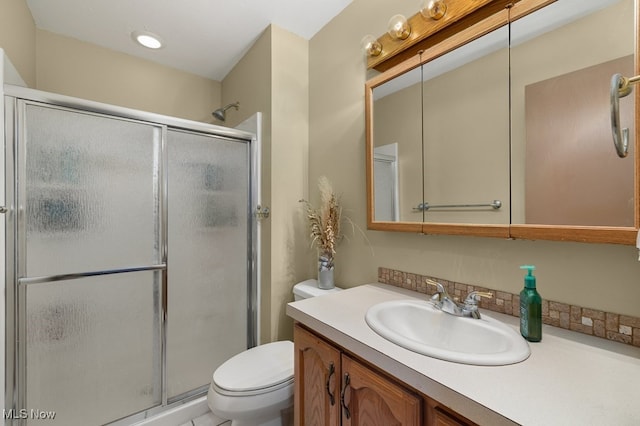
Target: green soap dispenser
[(530, 307)]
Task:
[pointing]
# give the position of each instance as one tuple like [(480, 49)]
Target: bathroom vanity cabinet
[(317, 371), (386, 379), (334, 387)]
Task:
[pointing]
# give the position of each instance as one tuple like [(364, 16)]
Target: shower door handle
[(262, 212), (3, 209)]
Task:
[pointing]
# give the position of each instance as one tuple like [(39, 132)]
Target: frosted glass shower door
[(90, 187), (89, 264), (209, 244), (89, 348)]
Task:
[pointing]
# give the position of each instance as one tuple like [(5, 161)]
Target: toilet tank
[(309, 288)]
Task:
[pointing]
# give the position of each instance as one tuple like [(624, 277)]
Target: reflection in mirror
[(385, 168), (466, 133), (397, 122), (565, 170)]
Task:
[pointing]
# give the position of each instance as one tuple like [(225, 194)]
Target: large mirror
[(512, 134), (397, 143)]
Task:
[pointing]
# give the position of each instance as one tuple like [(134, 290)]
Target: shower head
[(220, 113)]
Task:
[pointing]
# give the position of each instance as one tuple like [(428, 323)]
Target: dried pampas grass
[(324, 223)]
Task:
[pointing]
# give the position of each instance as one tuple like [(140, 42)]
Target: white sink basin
[(421, 327)]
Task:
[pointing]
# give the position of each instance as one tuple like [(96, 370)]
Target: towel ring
[(620, 87)]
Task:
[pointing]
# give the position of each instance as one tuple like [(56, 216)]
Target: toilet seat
[(259, 370), (261, 391)]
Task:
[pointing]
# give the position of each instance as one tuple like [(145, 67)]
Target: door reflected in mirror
[(385, 169)]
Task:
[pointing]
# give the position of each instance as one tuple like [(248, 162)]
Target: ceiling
[(203, 37)]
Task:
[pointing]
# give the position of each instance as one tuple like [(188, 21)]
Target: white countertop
[(569, 379)]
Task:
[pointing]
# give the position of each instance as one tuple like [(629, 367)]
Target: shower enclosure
[(130, 258)]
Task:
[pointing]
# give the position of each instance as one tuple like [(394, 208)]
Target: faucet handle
[(471, 303), (440, 293), (440, 287), (474, 297)]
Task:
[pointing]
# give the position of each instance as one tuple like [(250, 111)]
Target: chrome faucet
[(444, 302)]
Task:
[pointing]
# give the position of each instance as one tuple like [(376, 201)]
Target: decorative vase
[(325, 271)]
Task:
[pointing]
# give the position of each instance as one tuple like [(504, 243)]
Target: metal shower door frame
[(15, 99)]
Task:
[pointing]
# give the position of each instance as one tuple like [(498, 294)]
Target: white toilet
[(255, 387)]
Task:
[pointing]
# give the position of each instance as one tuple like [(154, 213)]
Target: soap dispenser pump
[(530, 307)]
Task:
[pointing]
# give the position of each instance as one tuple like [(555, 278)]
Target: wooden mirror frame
[(468, 29)]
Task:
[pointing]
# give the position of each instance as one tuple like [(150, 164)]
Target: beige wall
[(273, 78), (74, 68), (249, 83), (64, 65), (18, 38), (289, 174), (599, 276)]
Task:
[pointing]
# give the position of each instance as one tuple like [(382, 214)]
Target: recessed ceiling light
[(147, 39)]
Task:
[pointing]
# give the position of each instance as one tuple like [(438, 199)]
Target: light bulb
[(147, 39), (371, 45), (434, 9), (399, 27)]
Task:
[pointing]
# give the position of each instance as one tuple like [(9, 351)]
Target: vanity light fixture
[(405, 33), (147, 39), (398, 27), (371, 45), (433, 9)]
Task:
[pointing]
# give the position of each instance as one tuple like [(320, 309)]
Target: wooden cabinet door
[(367, 398), (439, 415), (317, 380)]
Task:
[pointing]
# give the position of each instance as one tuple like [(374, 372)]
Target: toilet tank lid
[(260, 367), (309, 288)]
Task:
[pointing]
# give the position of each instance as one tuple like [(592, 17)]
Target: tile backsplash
[(611, 326)]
